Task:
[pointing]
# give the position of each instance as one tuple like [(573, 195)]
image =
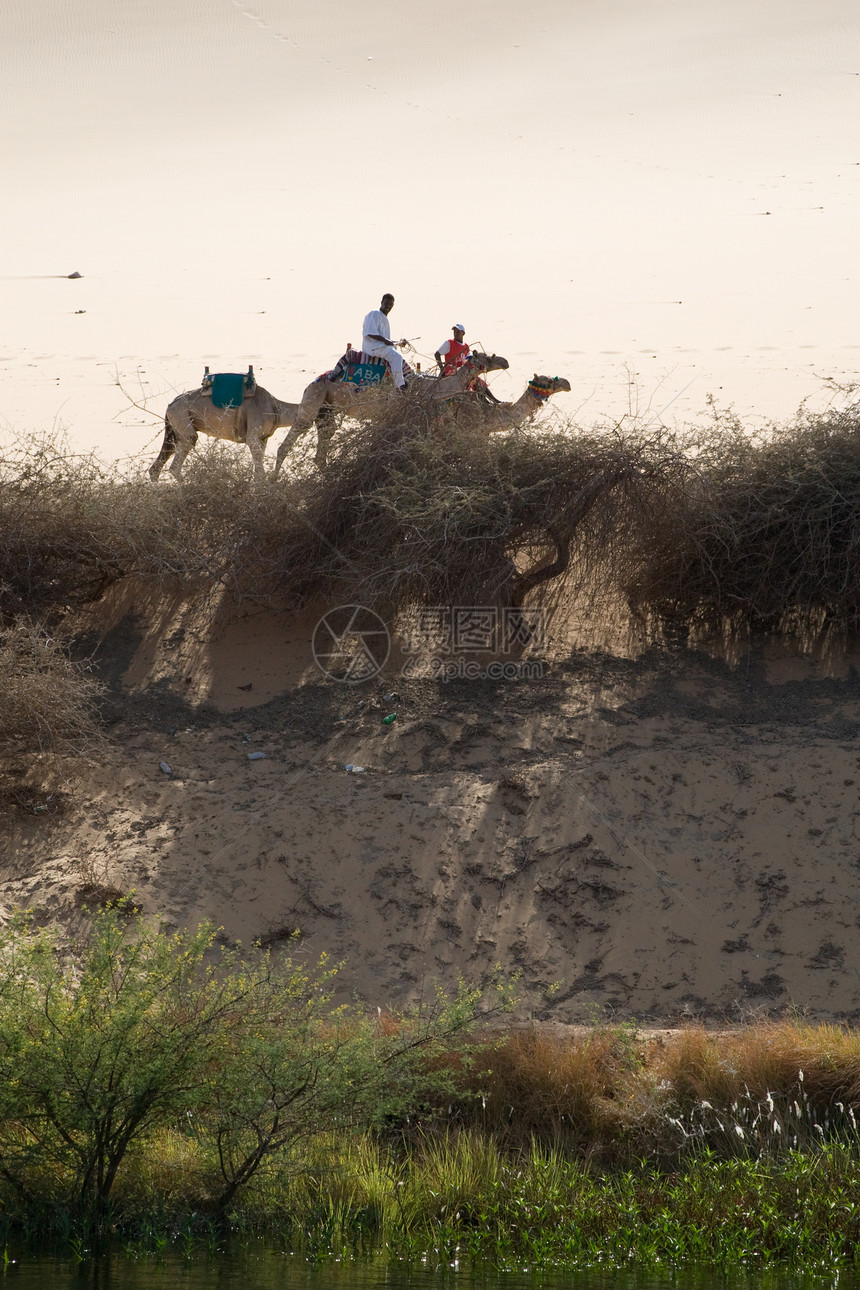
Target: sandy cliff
[(656, 834)]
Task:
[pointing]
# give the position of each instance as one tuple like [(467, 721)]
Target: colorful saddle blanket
[(363, 370), (230, 389)]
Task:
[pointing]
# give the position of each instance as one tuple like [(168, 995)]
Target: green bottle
[(392, 716)]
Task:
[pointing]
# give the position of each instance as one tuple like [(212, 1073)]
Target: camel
[(472, 412), (252, 423), (323, 399)]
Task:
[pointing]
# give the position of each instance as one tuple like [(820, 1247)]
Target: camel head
[(479, 362), (544, 386)]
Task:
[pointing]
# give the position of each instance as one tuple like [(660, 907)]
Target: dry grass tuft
[(46, 701), (558, 1091), (762, 1059)]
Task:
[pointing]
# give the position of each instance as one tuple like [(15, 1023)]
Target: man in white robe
[(376, 339)]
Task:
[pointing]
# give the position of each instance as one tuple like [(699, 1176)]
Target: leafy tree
[(140, 1028), (308, 1067), (95, 1052)]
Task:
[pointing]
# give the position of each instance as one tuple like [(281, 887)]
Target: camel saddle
[(358, 368), (229, 389)]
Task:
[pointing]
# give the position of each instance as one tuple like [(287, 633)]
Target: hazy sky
[(665, 186)]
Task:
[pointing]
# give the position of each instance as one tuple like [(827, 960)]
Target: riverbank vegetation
[(161, 1088)]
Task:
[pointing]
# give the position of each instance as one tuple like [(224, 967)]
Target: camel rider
[(376, 339), (452, 354)]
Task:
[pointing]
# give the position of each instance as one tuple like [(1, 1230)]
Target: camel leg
[(256, 441), (286, 446), (185, 437), (167, 450), (312, 400), (183, 448), (326, 425)]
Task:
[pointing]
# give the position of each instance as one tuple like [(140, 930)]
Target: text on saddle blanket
[(357, 368)]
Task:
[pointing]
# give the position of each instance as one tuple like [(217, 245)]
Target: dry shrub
[(402, 515), (553, 1090), (96, 895), (52, 534), (719, 525), (761, 1059), (46, 701), (612, 1091), (766, 528), (405, 515), (26, 797), (68, 529)]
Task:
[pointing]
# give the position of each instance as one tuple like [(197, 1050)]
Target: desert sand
[(656, 201), (654, 832)]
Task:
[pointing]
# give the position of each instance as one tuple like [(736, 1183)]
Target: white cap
[(458, 327)]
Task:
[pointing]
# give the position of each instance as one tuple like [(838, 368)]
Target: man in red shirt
[(452, 354)]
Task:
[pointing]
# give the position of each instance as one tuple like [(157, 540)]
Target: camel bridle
[(541, 389), (474, 365)]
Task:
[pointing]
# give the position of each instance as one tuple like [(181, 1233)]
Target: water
[(264, 1269)]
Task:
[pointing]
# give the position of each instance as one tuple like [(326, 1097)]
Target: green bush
[(140, 1030)]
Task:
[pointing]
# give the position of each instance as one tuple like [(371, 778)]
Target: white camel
[(470, 411), (252, 423), (323, 399)]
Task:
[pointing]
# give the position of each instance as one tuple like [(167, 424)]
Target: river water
[(264, 1269)]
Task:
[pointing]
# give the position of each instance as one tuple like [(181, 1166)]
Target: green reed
[(542, 1209), (459, 1197), (459, 1200)]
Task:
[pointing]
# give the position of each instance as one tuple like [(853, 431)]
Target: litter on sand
[(353, 770), (164, 766), (256, 756)]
